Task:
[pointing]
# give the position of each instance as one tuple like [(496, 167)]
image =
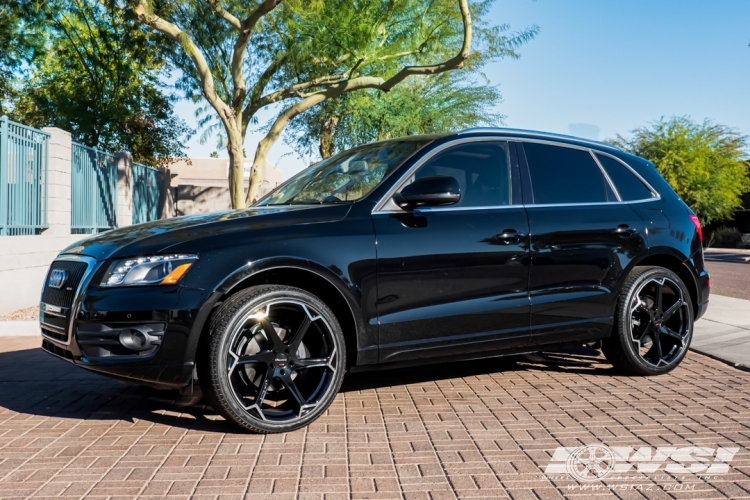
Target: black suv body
[(415, 250)]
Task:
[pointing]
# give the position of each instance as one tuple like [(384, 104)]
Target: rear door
[(453, 280), (583, 237)]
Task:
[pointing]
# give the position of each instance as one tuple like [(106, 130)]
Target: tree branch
[(146, 16), (223, 14), (294, 90), (240, 46), (455, 62)]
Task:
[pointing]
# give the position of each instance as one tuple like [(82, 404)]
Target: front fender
[(348, 291)]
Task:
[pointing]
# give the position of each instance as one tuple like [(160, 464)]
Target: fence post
[(3, 175), (59, 177), (124, 189)]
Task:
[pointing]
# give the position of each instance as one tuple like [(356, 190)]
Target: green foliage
[(100, 78), (440, 103), (310, 40), (21, 40), (703, 162)]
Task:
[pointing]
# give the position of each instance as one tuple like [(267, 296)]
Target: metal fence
[(93, 190), (148, 193), (23, 178)]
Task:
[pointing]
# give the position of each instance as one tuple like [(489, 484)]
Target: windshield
[(348, 176)]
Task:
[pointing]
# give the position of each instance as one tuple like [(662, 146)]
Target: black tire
[(254, 352), (653, 323)]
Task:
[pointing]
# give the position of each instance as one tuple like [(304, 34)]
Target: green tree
[(21, 40), (433, 104), (245, 56), (703, 162), (100, 78)]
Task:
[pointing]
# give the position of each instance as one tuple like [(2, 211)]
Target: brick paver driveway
[(466, 430)]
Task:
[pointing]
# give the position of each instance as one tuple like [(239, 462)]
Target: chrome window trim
[(600, 204), (606, 176), (500, 138), (77, 297), (654, 193), (448, 209)]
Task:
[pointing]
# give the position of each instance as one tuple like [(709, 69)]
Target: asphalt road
[(730, 274)]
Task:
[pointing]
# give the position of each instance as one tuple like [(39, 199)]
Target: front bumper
[(170, 317)]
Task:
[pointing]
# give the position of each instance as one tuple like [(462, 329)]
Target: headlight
[(153, 270)]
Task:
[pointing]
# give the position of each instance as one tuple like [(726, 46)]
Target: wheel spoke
[(673, 309), (299, 334), (261, 357), (671, 333), (657, 343), (659, 296), (293, 390), (311, 362), (270, 331), (263, 386)]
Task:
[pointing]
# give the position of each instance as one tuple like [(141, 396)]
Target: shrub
[(725, 237)]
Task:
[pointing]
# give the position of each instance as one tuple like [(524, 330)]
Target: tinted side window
[(564, 175), (481, 169), (628, 185)]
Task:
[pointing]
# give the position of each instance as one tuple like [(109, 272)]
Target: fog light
[(134, 339)]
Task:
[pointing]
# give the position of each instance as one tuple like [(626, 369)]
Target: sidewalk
[(724, 331)]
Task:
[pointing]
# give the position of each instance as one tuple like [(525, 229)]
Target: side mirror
[(429, 192)]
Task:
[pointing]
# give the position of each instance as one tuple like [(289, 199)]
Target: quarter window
[(481, 169), (628, 185), (564, 175)]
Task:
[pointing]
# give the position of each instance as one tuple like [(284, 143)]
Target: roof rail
[(500, 130)]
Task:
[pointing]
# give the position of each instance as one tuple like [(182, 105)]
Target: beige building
[(202, 186)]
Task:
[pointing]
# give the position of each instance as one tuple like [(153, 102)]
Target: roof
[(536, 134)]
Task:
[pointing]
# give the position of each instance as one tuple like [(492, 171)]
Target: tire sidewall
[(624, 321), (229, 319)]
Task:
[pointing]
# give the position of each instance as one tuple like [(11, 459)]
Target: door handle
[(509, 236), (625, 231)]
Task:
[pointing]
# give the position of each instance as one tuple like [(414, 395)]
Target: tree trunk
[(326, 137), (236, 168), (256, 174)]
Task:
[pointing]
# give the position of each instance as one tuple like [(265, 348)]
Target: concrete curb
[(737, 251), (19, 329)]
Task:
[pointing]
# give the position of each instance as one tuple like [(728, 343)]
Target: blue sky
[(602, 67)]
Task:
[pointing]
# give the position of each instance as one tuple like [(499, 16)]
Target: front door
[(582, 239), (454, 279)]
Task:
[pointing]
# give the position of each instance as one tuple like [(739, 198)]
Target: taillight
[(697, 224)]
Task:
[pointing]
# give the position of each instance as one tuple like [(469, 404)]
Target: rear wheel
[(653, 323), (275, 360)]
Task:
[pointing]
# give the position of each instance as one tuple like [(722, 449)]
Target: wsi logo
[(597, 461), (57, 278)]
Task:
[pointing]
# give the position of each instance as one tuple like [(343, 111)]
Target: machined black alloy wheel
[(276, 359), (654, 323)]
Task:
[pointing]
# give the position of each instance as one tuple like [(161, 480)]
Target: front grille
[(57, 350), (63, 297), (57, 335)]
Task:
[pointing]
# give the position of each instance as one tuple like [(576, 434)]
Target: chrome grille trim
[(77, 298)]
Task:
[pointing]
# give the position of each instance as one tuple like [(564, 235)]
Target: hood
[(157, 236)]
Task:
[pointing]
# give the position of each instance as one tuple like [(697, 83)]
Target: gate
[(23, 178), (148, 193), (93, 190)]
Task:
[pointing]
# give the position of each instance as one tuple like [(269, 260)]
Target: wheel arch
[(319, 281), (669, 260)]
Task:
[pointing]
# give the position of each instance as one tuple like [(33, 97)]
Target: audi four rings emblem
[(57, 278)]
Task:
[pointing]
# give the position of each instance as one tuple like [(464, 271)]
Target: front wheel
[(275, 359), (653, 323)]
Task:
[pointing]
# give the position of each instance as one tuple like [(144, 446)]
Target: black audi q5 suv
[(423, 249)]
